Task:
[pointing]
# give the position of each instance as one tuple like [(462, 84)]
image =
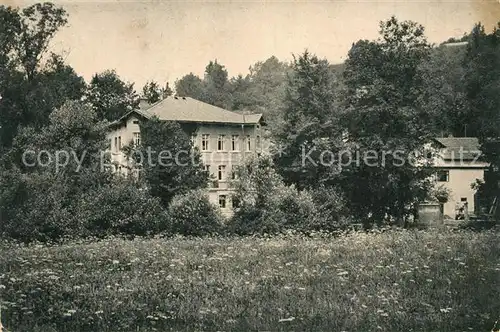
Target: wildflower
[(286, 319)]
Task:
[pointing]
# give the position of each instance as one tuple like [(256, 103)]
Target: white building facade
[(224, 138)]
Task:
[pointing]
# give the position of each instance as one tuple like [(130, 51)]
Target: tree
[(170, 164), (241, 98), (216, 85), (31, 89), (152, 92), (38, 25), (309, 125), (482, 81), (443, 91), (482, 71), (189, 86), (44, 187), (110, 97), (383, 119), (266, 204)]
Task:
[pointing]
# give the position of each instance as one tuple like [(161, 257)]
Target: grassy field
[(392, 281)]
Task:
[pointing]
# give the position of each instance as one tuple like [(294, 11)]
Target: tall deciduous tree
[(383, 118), (110, 96), (216, 85), (152, 92), (189, 85), (30, 87), (309, 125), (482, 66), (443, 90), (170, 164)]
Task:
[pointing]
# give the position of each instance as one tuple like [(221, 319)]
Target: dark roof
[(186, 109), (456, 148)]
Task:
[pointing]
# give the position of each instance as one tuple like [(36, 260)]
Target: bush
[(193, 214), (43, 207), (332, 213), (36, 207), (122, 208), (267, 205)]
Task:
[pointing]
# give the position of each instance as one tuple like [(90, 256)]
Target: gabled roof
[(456, 148), (186, 109)]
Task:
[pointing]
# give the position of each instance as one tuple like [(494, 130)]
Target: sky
[(164, 40)]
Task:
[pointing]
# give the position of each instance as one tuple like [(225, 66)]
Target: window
[(204, 142), (443, 176), (234, 175), (249, 145), (206, 168), (463, 199), (137, 139), (236, 202), (116, 143), (119, 142), (235, 146), (220, 142), (257, 143), (135, 122), (222, 201), (220, 175), (110, 145)]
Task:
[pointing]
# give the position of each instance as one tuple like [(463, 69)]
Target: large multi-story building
[(224, 138)]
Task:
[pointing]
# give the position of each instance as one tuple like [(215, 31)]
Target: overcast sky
[(166, 40)]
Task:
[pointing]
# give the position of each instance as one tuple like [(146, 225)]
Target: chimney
[(167, 91)]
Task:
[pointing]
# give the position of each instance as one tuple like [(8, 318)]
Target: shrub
[(193, 214), (43, 207), (36, 207), (122, 208), (267, 205), (332, 213)]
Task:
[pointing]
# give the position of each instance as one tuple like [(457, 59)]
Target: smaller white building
[(458, 166)]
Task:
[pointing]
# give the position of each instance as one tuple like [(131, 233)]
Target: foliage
[(38, 25), (192, 214), (482, 71), (124, 208), (309, 120), (440, 194), (189, 85), (407, 280), (260, 91), (31, 88), (216, 85), (331, 210), (170, 164), (40, 191), (443, 94), (383, 120), (154, 93), (110, 97), (267, 205)]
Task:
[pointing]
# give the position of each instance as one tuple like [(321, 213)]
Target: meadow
[(382, 281)]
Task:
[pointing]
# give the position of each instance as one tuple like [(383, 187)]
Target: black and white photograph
[(218, 165)]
